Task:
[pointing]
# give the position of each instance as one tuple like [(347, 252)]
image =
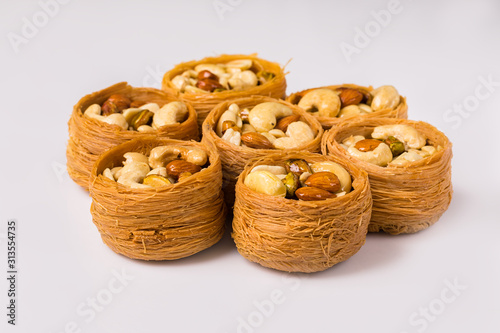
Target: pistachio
[(156, 181), (327, 181), (265, 76), (142, 118), (313, 194), (397, 147), (177, 167), (292, 183), (297, 167)]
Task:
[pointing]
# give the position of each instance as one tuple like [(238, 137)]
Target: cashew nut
[(303, 177), (277, 133), (232, 136), (193, 90), (365, 108), (153, 107), (263, 117), (342, 174), (274, 169), (169, 114), (325, 101), (265, 182), (385, 97), (161, 171), (145, 129), (130, 113), (404, 133), (428, 150), (190, 74), (240, 64), (228, 115), (247, 128), (116, 172), (180, 82), (107, 173), (234, 108), (133, 173), (352, 140), (160, 156), (243, 80), (349, 111), (380, 156), (134, 157), (217, 69), (94, 111), (298, 134), (405, 158), (269, 136)]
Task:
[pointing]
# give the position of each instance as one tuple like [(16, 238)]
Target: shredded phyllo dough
[(301, 235), (409, 165), (164, 213), (120, 113)]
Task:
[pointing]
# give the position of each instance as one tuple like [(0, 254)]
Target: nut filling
[(165, 165), (346, 102), (390, 145), (267, 125), (297, 179), (137, 115), (236, 75)]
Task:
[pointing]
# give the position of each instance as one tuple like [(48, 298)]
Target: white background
[(434, 52)]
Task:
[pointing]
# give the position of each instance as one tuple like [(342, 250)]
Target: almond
[(285, 121), (208, 85), (367, 145), (207, 75), (177, 167), (350, 97), (313, 193), (298, 167), (324, 180), (256, 140), (115, 104)]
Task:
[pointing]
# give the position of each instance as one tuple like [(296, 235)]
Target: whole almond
[(177, 167), (327, 181), (207, 75), (350, 97), (367, 145), (114, 104), (313, 194), (285, 121), (256, 140), (208, 84)]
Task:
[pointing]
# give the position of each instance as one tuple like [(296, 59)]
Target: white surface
[(433, 52)]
